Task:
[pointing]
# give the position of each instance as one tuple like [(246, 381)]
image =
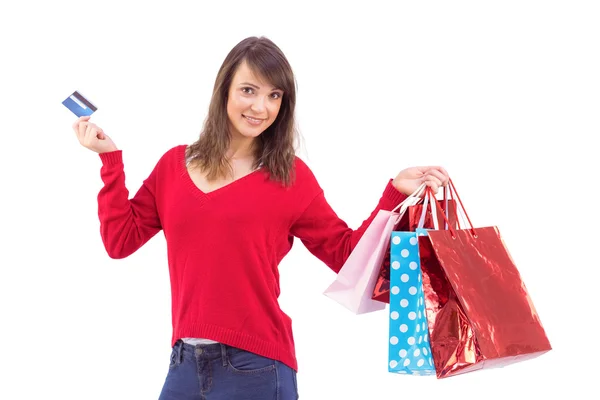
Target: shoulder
[(302, 171), (175, 151), (301, 168), (305, 180), (173, 154), (170, 160)]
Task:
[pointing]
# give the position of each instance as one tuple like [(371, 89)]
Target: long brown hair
[(275, 147)]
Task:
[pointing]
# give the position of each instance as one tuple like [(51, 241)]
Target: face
[(252, 105)]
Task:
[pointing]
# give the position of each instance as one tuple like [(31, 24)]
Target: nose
[(258, 105)]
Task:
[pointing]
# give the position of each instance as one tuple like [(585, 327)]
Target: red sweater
[(224, 247)]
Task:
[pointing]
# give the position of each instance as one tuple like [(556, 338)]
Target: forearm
[(125, 225)]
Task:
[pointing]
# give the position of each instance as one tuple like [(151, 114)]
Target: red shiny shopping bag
[(479, 311), (408, 223)]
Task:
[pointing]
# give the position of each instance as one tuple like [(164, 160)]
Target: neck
[(240, 148)]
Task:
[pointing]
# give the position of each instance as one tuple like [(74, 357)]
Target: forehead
[(245, 74)]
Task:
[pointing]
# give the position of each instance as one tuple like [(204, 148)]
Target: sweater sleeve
[(327, 236), (125, 224)]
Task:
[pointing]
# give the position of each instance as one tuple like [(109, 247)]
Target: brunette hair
[(275, 147)]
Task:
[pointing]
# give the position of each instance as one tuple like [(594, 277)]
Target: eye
[(248, 90), (276, 95)]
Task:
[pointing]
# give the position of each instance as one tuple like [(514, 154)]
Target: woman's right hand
[(91, 136)]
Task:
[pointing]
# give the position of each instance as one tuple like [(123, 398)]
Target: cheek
[(234, 105), (241, 103), (230, 106)]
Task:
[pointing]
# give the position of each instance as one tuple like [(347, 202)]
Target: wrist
[(399, 187), (392, 194)]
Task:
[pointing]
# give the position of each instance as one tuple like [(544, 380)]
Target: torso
[(226, 239)]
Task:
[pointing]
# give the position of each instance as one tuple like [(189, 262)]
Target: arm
[(327, 236), (125, 225)]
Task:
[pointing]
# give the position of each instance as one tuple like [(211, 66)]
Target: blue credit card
[(79, 105)]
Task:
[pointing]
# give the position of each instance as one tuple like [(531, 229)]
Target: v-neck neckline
[(196, 191)]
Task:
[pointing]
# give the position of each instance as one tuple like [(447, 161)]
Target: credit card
[(79, 105)]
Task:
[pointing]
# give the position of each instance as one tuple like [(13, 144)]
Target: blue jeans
[(221, 372)]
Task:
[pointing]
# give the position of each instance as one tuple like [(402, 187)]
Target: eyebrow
[(256, 87)]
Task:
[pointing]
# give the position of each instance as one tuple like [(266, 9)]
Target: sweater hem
[(272, 350)]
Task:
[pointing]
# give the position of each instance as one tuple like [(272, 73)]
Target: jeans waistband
[(205, 351)]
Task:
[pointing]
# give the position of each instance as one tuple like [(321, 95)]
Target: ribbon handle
[(452, 189), (429, 198), (411, 200)]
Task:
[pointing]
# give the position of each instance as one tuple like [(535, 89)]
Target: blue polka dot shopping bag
[(409, 350)]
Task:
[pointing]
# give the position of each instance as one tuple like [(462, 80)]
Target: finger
[(443, 179), (433, 182), (78, 123), (424, 169), (90, 134), (433, 176), (85, 118), (81, 128), (444, 172), (96, 131), (433, 185), (81, 119), (427, 169)]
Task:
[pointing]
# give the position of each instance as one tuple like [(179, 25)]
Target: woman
[(230, 205)]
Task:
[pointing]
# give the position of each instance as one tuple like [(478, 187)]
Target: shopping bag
[(409, 222), (479, 312), (353, 286), (409, 350)]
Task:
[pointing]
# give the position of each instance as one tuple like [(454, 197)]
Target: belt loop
[(179, 351), (224, 354)]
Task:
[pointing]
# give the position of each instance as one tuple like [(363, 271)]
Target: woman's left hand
[(409, 179)]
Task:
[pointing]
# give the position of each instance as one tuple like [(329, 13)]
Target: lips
[(253, 121)]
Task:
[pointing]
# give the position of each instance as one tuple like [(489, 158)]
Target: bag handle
[(413, 199), (429, 198), (445, 210), (462, 208), (434, 212), (446, 192)]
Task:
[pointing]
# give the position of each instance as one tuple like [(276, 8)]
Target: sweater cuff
[(111, 157), (391, 196)]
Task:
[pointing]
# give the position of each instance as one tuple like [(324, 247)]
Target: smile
[(253, 121)]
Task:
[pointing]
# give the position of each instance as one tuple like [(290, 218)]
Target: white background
[(505, 95)]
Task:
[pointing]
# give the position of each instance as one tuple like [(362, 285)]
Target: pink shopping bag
[(353, 286)]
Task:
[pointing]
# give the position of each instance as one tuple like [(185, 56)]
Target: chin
[(252, 133)]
